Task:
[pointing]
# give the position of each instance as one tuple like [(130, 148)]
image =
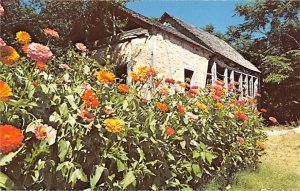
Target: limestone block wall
[(169, 56)]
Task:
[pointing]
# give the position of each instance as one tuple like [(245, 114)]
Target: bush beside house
[(72, 126)]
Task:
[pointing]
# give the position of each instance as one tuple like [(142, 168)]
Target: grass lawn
[(280, 167)]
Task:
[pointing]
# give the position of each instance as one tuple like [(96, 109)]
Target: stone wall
[(168, 55)]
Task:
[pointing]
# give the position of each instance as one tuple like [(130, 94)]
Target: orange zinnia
[(123, 88), (5, 91), (90, 99), (10, 138), (170, 131), (41, 66), (23, 37), (241, 116), (106, 77), (220, 105), (134, 76), (162, 107)]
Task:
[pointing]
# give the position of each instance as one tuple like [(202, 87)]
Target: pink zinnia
[(51, 32), (240, 139), (258, 95), (2, 43), (39, 52), (1, 10), (273, 119), (65, 66), (85, 86), (81, 46)]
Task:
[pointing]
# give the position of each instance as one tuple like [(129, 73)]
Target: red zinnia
[(180, 109), (263, 110), (241, 116), (170, 80), (90, 99), (10, 138), (170, 131)]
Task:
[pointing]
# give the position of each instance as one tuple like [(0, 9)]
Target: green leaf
[(64, 147), (6, 158), (120, 166), (63, 109), (71, 101), (182, 144), (78, 174), (5, 182), (208, 157), (129, 178), (197, 170), (125, 104), (96, 177)]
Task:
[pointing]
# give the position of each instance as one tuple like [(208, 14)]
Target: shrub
[(82, 130)]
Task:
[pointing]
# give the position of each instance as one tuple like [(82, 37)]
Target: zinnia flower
[(23, 37), (273, 119), (39, 52), (65, 66), (35, 83), (51, 32), (106, 77), (143, 72), (81, 46), (261, 145), (86, 115), (240, 139), (201, 106), (123, 88), (170, 80), (113, 125), (90, 99), (45, 132), (163, 90), (85, 86), (152, 71), (220, 105), (134, 76), (257, 94), (1, 10), (8, 55), (2, 43), (5, 91), (162, 107), (180, 109), (170, 131), (24, 48), (10, 138), (41, 66), (241, 116), (263, 110)]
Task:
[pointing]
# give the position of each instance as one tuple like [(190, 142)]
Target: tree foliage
[(270, 38)]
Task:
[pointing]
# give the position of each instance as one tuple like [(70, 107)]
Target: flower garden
[(67, 122)]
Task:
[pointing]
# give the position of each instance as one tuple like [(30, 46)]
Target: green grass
[(279, 170)]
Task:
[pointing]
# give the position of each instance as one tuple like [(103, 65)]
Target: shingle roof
[(212, 42)]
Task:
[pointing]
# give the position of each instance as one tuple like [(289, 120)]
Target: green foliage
[(269, 38), (142, 155)]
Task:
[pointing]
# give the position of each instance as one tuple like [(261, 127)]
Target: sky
[(196, 12)]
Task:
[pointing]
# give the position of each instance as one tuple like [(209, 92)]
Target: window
[(121, 73), (188, 75)]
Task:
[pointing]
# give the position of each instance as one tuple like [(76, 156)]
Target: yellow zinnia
[(8, 55), (201, 106), (142, 71), (113, 125), (23, 37), (106, 77)]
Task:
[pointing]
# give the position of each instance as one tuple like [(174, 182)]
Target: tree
[(270, 38)]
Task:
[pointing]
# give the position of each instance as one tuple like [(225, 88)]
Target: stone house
[(179, 50)]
